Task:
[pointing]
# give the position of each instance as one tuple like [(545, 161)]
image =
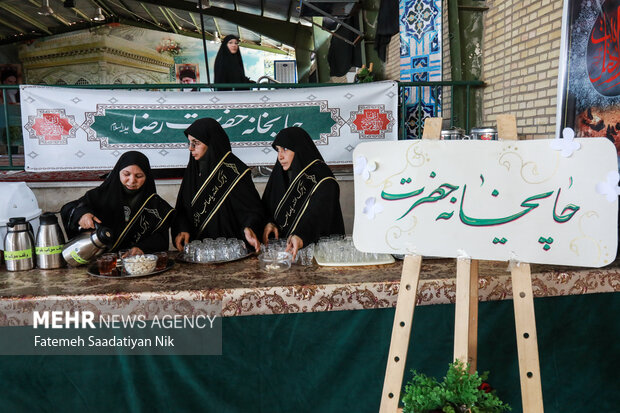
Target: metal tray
[(181, 259), (93, 270)]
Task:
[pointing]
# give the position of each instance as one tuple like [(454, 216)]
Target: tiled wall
[(521, 49), (420, 59)]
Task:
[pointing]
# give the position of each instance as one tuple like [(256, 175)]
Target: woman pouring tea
[(127, 203), (302, 195), (217, 197)]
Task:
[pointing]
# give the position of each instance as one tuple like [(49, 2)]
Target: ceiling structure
[(274, 24)]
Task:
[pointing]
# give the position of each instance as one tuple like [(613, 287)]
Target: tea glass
[(107, 264), (162, 260), (305, 255)]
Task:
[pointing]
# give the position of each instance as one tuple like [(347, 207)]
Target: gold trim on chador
[(295, 201), (215, 190), (149, 218)]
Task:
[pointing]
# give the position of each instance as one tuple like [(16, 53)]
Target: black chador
[(304, 200), (228, 66), (217, 197), (137, 218)]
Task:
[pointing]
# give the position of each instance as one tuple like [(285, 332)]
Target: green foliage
[(459, 392), (364, 76)]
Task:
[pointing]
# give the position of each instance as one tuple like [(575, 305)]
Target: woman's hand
[(293, 245), (131, 252), (270, 229), (251, 237), (180, 240), (87, 221), (135, 251)]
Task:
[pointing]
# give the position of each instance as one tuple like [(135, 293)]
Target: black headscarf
[(323, 215), (297, 140), (229, 67), (111, 196), (109, 200), (242, 207), (211, 133)]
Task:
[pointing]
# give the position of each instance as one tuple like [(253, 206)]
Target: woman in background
[(228, 64), (9, 77), (217, 197), (127, 203), (302, 196)]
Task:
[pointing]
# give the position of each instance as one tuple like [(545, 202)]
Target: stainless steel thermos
[(81, 249), (49, 242), (18, 245)]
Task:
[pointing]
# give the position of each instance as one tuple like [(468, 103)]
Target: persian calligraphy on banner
[(80, 129), (494, 200), (589, 72)]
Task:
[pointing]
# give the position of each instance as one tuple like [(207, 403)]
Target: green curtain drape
[(330, 362)]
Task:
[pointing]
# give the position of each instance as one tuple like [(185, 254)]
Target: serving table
[(316, 338)]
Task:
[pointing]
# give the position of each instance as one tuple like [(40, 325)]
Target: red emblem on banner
[(51, 127), (371, 122)]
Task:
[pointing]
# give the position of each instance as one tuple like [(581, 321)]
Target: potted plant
[(364, 75), (459, 392)]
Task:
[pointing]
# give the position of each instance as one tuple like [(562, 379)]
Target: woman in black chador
[(302, 195), (228, 62), (217, 197), (127, 203)]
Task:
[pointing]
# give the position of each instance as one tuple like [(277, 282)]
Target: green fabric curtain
[(330, 362)]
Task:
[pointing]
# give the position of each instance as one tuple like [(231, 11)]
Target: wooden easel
[(466, 312)]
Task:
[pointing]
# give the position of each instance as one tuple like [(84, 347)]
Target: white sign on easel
[(538, 201)]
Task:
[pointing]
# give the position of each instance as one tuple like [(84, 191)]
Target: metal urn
[(18, 245), (49, 242)]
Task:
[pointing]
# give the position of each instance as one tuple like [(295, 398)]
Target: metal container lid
[(483, 129), (103, 235), (16, 220), (453, 131), (17, 224), (48, 218)]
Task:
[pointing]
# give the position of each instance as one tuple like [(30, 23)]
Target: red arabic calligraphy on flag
[(603, 58), (371, 121), (51, 126)]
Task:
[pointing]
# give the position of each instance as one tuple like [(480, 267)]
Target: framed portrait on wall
[(10, 74), (589, 72), (187, 73)]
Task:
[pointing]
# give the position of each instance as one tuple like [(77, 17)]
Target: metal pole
[(204, 41), (467, 106), (8, 133), (419, 110), (451, 106), (403, 112)]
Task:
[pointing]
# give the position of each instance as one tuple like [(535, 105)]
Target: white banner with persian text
[(88, 129), (538, 201)]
